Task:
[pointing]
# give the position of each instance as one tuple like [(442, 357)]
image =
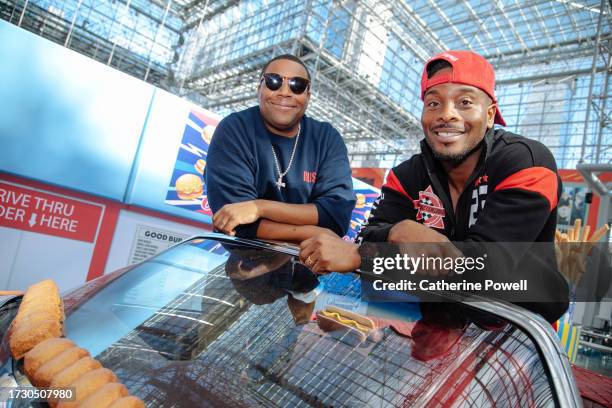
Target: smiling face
[(455, 119), (282, 110)]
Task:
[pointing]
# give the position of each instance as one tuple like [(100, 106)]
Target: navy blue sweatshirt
[(240, 167)]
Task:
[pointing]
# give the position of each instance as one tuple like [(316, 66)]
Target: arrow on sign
[(32, 221)]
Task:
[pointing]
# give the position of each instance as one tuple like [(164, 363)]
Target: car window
[(138, 296), (230, 325)]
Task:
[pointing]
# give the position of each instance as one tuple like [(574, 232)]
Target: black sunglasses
[(274, 82)]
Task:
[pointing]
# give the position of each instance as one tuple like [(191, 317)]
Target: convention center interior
[(234, 203)]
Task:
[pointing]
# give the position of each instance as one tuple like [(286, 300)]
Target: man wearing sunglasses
[(273, 172)]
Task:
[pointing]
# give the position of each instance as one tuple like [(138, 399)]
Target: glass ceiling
[(365, 56)]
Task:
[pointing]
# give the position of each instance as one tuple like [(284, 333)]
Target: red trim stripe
[(537, 179), (394, 184), (104, 241)]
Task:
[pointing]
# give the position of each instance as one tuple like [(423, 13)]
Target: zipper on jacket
[(469, 185), (453, 218)]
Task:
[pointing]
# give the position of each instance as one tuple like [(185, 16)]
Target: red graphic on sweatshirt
[(430, 209), (310, 176)]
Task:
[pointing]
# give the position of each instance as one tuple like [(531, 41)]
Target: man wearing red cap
[(471, 181)]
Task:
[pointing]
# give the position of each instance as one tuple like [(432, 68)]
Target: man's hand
[(232, 215), (411, 231), (327, 252), (420, 240)]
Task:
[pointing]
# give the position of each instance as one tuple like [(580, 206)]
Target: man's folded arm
[(277, 231), (286, 213)]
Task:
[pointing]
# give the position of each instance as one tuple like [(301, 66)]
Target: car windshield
[(226, 324)]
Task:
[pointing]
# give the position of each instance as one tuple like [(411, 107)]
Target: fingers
[(307, 243), (309, 258), (309, 246), (220, 219), (312, 262), (310, 255), (318, 267), (452, 251), (222, 226), (224, 221), (325, 253), (315, 262), (306, 248), (229, 227), (232, 215)]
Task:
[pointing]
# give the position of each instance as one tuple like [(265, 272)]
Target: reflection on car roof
[(211, 345)]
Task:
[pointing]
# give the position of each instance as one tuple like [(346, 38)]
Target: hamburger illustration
[(189, 187)]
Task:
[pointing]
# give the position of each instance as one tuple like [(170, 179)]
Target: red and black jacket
[(511, 196)]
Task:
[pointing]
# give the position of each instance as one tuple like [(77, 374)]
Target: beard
[(458, 157)]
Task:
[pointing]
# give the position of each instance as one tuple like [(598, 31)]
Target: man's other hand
[(328, 253), (231, 215), (420, 240), (412, 231)]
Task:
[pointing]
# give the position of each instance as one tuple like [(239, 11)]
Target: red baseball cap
[(467, 68)]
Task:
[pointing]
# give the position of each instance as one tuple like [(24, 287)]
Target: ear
[(491, 110)]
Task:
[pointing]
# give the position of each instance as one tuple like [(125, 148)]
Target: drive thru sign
[(36, 211)]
